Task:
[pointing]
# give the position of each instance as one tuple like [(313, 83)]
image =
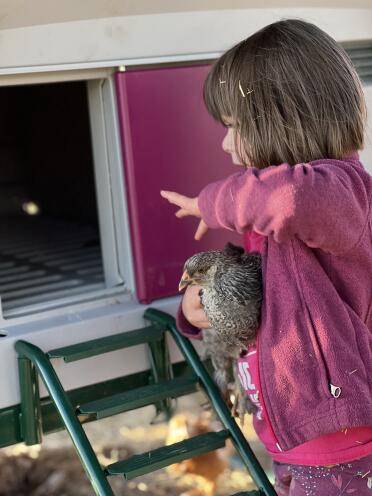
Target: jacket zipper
[(334, 390)]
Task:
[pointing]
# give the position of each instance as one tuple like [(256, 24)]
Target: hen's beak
[(185, 281)]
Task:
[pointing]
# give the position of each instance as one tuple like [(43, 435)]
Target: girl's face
[(228, 142)]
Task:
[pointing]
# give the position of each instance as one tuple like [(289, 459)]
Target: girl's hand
[(188, 206), (193, 309)]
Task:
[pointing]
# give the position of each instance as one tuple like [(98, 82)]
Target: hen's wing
[(235, 324)]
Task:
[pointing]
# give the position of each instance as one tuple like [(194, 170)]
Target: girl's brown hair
[(293, 94)]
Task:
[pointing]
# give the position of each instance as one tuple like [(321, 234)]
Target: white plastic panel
[(82, 323), (159, 37), (103, 132), (18, 13)]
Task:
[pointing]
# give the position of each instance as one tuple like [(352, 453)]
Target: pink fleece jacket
[(315, 354)]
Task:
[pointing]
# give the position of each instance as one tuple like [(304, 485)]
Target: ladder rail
[(33, 362), (241, 444), (54, 387), (30, 414)]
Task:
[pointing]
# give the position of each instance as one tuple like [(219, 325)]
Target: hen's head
[(200, 269)]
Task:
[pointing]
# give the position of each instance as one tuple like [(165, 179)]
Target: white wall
[(20, 13), (160, 36), (366, 154)]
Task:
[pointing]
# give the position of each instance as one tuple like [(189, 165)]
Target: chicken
[(231, 294), (208, 466)]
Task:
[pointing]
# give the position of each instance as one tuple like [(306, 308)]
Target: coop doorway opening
[(50, 245)]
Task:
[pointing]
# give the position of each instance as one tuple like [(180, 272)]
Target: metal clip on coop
[(33, 362)]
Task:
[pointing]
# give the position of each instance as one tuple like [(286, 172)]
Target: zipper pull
[(335, 390)]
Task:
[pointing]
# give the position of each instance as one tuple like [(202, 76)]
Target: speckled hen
[(231, 294)]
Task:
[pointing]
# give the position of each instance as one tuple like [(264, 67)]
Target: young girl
[(295, 113)]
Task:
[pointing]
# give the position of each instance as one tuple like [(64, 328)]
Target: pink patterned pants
[(353, 478)]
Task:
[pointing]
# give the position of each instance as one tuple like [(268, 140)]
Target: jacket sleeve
[(324, 204), (184, 326)]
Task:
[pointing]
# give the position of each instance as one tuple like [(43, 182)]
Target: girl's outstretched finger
[(175, 198), (201, 230), (185, 203)]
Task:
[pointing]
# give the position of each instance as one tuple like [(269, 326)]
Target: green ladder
[(32, 361)]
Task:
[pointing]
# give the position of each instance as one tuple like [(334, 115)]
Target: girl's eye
[(229, 122)]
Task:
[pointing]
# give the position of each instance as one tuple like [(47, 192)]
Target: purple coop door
[(169, 142)]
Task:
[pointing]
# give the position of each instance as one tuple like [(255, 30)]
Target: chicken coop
[(102, 108)]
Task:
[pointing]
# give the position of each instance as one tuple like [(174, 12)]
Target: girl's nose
[(227, 141)]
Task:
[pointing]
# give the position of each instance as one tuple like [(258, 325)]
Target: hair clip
[(242, 92), (221, 82)]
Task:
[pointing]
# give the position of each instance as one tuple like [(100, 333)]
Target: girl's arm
[(323, 204)]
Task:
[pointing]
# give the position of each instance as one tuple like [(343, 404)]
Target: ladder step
[(137, 398), (108, 343), (166, 455)]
